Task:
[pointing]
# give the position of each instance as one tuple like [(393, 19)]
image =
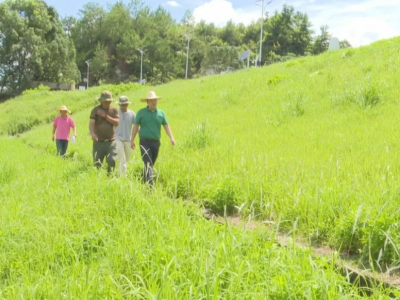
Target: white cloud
[(173, 3), (221, 11), (359, 21)]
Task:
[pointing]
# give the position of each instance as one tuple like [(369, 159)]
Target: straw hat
[(105, 96), (150, 96), (123, 100), (64, 108)]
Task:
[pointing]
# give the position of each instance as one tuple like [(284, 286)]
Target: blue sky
[(359, 21)]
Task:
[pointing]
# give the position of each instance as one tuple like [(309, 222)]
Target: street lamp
[(87, 79), (261, 3), (141, 50), (187, 35)]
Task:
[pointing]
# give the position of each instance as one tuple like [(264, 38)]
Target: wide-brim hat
[(123, 100), (105, 96), (64, 108), (150, 96)]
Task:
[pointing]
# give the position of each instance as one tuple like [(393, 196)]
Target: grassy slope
[(292, 142), (23, 113), (69, 232)]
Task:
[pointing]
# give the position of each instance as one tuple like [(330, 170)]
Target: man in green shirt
[(148, 123)]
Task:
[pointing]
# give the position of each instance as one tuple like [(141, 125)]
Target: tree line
[(38, 45)]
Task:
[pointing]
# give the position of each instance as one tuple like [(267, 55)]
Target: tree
[(222, 58), (88, 32), (288, 33), (230, 34), (344, 44), (100, 64), (110, 39), (34, 46), (321, 42)]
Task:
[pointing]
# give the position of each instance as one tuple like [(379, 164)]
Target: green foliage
[(225, 197), (288, 32), (369, 96), (99, 66), (34, 47), (348, 53), (7, 173), (293, 63), (373, 234), (110, 238), (123, 28), (344, 44), (40, 88), (307, 176), (295, 107), (349, 231), (222, 58), (276, 79), (321, 42), (199, 137)]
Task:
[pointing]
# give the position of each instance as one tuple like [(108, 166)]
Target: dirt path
[(362, 277)]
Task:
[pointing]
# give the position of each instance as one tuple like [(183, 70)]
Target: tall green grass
[(70, 232), (311, 147)]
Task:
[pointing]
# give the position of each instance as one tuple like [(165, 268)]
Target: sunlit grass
[(314, 153)]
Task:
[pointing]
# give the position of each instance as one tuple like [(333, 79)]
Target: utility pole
[(87, 78), (261, 3), (187, 53), (141, 50)]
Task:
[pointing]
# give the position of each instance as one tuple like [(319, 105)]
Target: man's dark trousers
[(105, 149), (149, 150)]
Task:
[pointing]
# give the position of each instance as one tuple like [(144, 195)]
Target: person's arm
[(169, 132), (74, 127), (54, 133), (135, 130), (112, 120), (91, 129)]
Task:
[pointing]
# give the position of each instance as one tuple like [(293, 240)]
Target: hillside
[(309, 146)]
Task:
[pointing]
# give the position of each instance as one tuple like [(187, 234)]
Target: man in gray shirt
[(123, 133)]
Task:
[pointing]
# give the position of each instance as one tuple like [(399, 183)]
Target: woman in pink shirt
[(61, 129)]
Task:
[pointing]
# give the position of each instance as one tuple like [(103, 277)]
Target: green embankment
[(310, 146)]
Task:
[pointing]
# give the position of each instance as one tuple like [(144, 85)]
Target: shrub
[(368, 96), (296, 62), (7, 173), (349, 232), (276, 79), (375, 237), (295, 106), (199, 137), (348, 53), (379, 238), (40, 88), (225, 197)]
